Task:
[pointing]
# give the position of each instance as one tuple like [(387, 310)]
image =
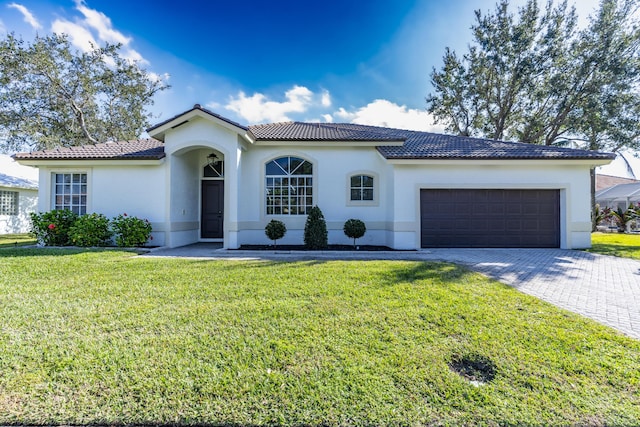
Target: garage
[(490, 218)]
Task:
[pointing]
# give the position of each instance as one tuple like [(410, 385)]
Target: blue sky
[(267, 61)]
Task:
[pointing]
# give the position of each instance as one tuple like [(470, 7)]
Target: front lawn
[(616, 244), (107, 337), (12, 240)]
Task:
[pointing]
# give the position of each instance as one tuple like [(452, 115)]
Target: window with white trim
[(8, 202), (361, 188), (70, 192), (289, 186)]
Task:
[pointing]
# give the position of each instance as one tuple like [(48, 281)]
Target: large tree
[(52, 95), (536, 77)]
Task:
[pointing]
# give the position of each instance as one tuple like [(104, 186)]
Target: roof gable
[(158, 131)]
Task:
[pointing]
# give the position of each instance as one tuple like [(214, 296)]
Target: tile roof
[(425, 145), (416, 145), (142, 149), (17, 182), (299, 131)]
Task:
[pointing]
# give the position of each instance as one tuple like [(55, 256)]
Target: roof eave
[(592, 162), (132, 161)]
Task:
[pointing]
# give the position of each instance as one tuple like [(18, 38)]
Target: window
[(289, 186), (214, 170), (70, 192), (362, 188), (8, 202)]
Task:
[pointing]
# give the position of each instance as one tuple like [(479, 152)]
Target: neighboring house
[(624, 169), (18, 195), (619, 196), (202, 177)]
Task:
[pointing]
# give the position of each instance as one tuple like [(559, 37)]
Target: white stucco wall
[(115, 188), (572, 181), (332, 169), (187, 148), (27, 203)]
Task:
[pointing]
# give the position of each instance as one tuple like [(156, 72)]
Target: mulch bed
[(304, 248)]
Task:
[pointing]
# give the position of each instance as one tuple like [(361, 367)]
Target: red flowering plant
[(131, 231), (52, 228)]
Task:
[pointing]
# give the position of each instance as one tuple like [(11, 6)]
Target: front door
[(212, 209)]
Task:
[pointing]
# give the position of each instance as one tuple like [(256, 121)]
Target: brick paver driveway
[(604, 288)]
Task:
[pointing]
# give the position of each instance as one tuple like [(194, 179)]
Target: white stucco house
[(18, 195), (202, 177)]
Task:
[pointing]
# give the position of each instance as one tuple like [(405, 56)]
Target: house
[(624, 169), (203, 177), (18, 195), (619, 196)]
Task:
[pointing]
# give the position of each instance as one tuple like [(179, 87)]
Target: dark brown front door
[(212, 209), (463, 218)]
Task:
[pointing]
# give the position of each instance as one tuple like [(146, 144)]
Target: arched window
[(361, 188), (289, 186)]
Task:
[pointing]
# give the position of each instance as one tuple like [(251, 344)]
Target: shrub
[(315, 230), (354, 229), (275, 230), (91, 230), (622, 217), (131, 231), (52, 228)]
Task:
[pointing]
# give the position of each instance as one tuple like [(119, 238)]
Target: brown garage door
[(468, 218)]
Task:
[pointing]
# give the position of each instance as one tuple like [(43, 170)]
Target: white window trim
[(52, 186), (376, 189), (263, 185)]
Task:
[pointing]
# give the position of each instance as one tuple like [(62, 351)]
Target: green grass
[(12, 240), (107, 337), (616, 244)]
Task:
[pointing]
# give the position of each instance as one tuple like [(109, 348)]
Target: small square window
[(361, 188), (9, 202)]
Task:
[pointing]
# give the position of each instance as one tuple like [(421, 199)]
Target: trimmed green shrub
[(354, 229), (91, 230), (52, 228), (315, 230), (131, 231), (275, 230)]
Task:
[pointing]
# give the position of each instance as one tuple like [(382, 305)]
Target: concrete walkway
[(604, 288)]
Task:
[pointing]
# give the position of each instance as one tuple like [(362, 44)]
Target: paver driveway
[(604, 288)]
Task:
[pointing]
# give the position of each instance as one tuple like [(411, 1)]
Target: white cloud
[(258, 108), (382, 112), (79, 36), (102, 24), (326, 99), (3, 28), (154, 77), (28, 16), (94, 30)]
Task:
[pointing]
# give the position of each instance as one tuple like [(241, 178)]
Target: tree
[(275, 230), (52, 95), (354, 229), (315, 230), (536, 78)]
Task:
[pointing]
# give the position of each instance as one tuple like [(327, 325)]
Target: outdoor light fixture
[(212, 159)]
